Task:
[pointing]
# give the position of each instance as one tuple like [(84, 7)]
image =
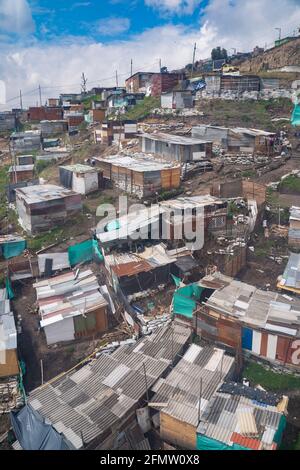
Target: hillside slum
[(119, 329)]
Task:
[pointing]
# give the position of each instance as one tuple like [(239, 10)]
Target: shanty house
[(26, 141), (42, 207), (175, 147), (140, 174), (237, 139), (25, 160), (134, 273), (165, 82), (260, 323), (44, 113), (11, 246), (294, 230), (71, 306), (124, 100), (139, 82), (242, 418), (9, 366), (53, 128), (183, 396), (240, 83), (290, 280), (7, 121), (116, 131), (82, 179), (110, 389), (177, 100), (19, 173)]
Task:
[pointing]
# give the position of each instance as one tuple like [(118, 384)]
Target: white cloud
[(241, 26), (174, 6), (113, 26), (16, 17)]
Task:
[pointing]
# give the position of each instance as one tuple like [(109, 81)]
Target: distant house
[(8, 121), (74, 119), (240, 83), (71, 306), (53, 102), (53, 128), (165, 82), (25, 159), (177, 100), (19, 173), (124, 100), (114, 131), (238, 139), (42, 207), (97, 115), (82, 179), (45, 113), (140, 174), (175, 147), (27, 141), (139, 82)]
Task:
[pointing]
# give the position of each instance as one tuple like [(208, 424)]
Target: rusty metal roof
[(247, 442)]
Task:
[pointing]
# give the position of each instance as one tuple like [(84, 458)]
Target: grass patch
[(290, 184), (249, 174), (3, 183), (41, 165), (259, 375), (142, 110)]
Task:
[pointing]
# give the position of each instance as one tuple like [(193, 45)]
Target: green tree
[(218, 53)]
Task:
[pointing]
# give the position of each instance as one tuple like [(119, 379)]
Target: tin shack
[(82, 179), (140, 174), (175, 147), (42, 207)]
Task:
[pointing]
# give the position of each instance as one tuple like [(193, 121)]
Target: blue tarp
[(12, 249), (33, 433), (247, 335)]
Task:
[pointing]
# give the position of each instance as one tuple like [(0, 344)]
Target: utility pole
[(40, 93), (194, 55), (131, 68), (159, 65), (83, 83), (117, 79), (21, 100)]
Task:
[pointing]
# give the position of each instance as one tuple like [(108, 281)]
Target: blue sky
[(51, 42), (106, 20)]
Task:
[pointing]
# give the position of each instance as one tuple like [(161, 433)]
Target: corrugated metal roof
[(43, 193), (174, 139), (140, 162), (94, 398), (247, 442)]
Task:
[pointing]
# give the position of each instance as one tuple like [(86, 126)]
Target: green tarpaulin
[(185, 300), (84, 252), (10, 292), (206, 443), (10, 250), (296, 115), (177, 280)]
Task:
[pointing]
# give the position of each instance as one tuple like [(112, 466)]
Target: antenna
[(279, 32), (83, 83)]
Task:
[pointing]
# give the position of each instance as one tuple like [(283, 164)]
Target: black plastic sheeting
[(145, 280), (33, 433), (254, 394), (66, 178)]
